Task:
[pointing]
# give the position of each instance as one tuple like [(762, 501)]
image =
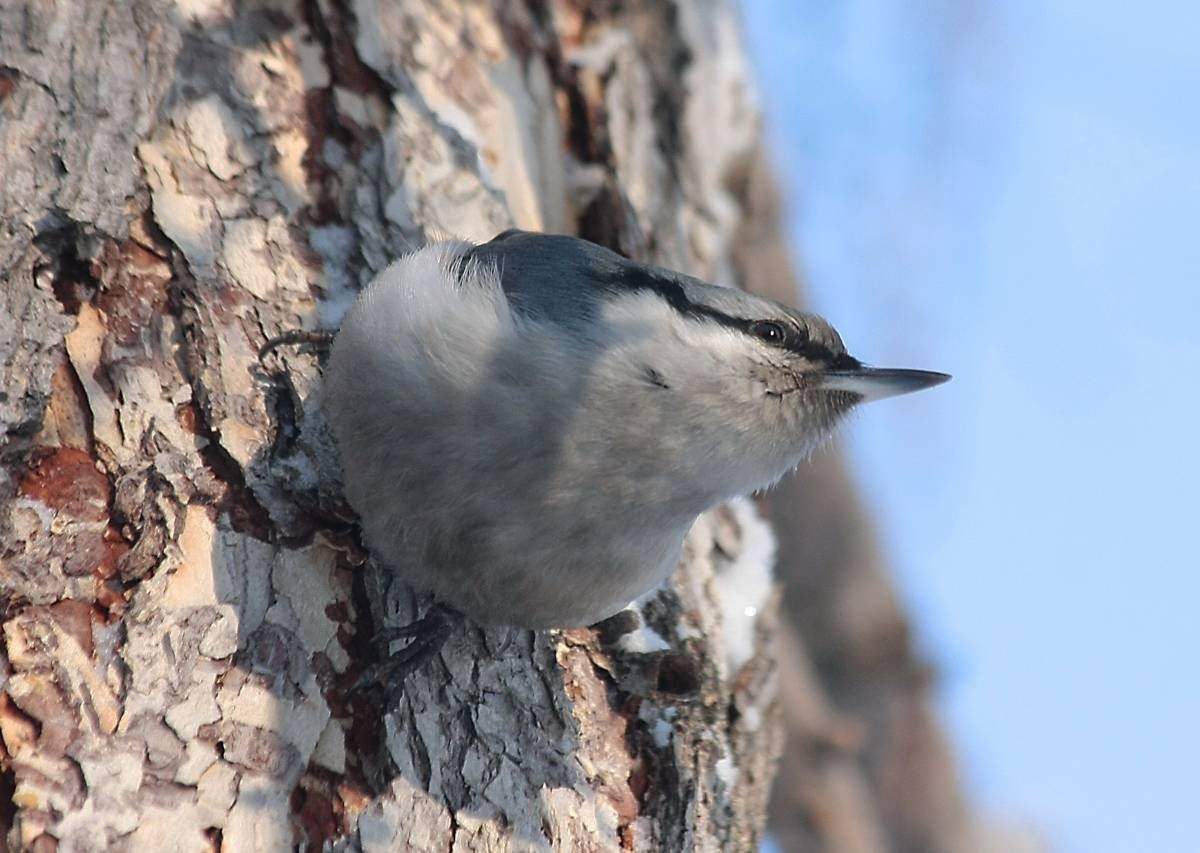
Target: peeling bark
[(185, 599)]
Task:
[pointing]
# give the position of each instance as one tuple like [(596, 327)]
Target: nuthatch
[(529, 427)]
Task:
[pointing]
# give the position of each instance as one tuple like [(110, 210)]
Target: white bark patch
[(176, 829), (518, 149), (305, 579), (199, 757), (215, 132), (259, 817), (204, 11), (217, 789), (220, 568), (313, 70), (88, 681), (330, 751), (447, 198), (192, 222), (194, 582), (290, 148), (244, 253), (406, 818), (198, 708)]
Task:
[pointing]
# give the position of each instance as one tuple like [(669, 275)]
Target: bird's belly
[(503, 511), (546, 573)]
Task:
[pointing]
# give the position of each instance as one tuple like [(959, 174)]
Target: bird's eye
[(766, 330)]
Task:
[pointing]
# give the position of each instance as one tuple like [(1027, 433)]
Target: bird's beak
[(876, 383)]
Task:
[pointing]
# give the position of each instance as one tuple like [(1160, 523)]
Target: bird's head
[(741, 386), (770, 382)]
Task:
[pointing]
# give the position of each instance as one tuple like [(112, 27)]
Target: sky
[(1009, 191)]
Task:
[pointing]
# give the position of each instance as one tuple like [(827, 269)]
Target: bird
[(528, 427)]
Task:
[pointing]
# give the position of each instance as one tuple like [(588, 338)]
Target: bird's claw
[(428, 634), (320, 339)]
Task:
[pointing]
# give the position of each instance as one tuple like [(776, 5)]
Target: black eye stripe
[(794, 340)]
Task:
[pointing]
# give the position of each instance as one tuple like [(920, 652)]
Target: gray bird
[(529, 427)]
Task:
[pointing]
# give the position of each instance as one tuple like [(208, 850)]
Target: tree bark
[(185, 599)]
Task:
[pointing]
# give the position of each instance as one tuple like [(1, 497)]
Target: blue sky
[(1010, 191)]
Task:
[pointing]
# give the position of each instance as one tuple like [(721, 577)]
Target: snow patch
[(727, 772), (645, 640), (661, 724), (335, 244), (744, 585), (751, 718), (685, 630)]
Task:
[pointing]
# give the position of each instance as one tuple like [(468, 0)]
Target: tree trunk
[(185, 598)]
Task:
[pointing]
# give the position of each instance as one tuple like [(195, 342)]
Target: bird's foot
[(428, 634), (286, 401), (321, 339)]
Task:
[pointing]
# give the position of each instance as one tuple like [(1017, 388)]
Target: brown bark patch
[(65, 479)]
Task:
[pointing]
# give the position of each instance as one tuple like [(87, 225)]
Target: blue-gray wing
[(552, 276)]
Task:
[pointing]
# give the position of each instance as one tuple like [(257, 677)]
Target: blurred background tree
[(1008, 191)]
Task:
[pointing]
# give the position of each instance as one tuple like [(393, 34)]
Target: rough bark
[(184, 596)]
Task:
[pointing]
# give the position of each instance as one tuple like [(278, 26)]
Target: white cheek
[(722, 345)]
